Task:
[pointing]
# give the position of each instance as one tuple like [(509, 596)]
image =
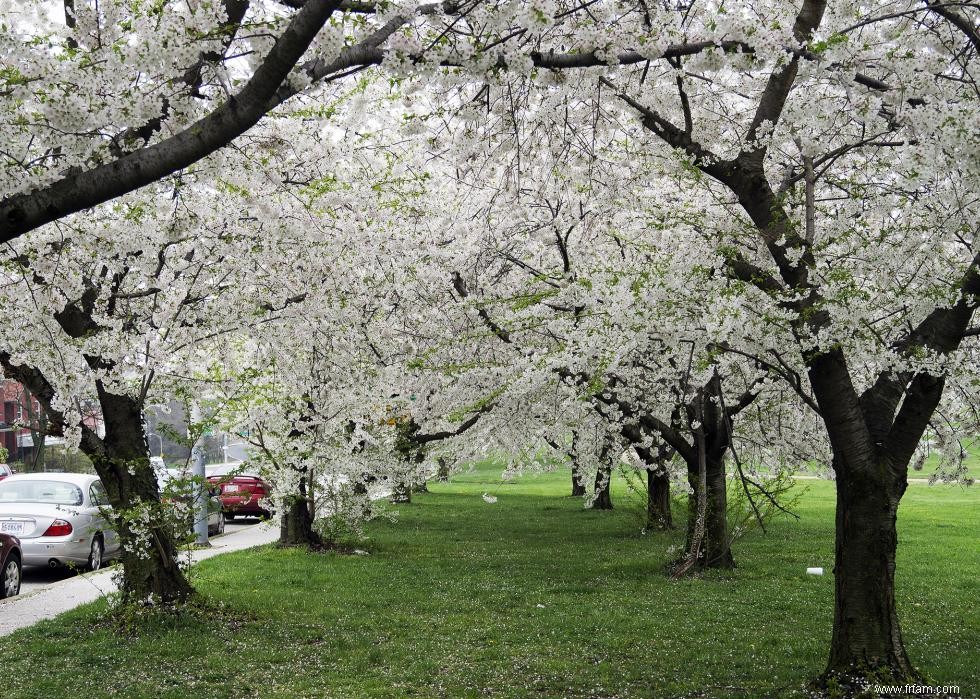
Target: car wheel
[(97, 554), (229, 516), (10, 582)]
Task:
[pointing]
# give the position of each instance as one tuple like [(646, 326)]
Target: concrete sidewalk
[(47, 603)]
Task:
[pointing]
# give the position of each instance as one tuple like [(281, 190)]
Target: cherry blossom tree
[(127, 322), (844, 173)]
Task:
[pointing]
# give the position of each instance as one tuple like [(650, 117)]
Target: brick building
[(22, 422)]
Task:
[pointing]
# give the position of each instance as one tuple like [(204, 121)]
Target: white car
[(58, 519)]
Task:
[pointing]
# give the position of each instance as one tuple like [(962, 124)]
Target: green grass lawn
[(529, 597)]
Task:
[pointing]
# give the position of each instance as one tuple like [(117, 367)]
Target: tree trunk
[(872, 447), (718, 553), (39, 435), (578, 487), (40, 444), (658, 500), (150, 572), (867, 638), (443, 473), (603, 480), (296, 523), (578, 482), (37, 423), (714, 551)]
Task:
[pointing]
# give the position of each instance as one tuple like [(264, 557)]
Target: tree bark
[(715, 550), (718, 553), (40, 443), (658, 500), (867, 637), (37, 423), (578, 487), (578, 482), (603, 481), (296, 523), (150, 573), (443, 473)]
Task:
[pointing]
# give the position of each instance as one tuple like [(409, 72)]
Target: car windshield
[(54, 492)]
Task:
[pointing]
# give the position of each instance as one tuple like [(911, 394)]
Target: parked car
[(242, 495), (176, 486), (10, 565), (216, 520), (5, 471), (58, 518)]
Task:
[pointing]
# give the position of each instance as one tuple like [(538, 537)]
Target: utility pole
[(197, 470)]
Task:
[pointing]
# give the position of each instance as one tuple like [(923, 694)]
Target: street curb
[(63, 596)]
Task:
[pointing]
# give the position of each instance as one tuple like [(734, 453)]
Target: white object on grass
[(814, 571)]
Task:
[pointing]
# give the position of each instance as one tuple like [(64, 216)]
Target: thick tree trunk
[(296, 523), (714, 549), (872, 446), (658, 500), (150, 573), (867, 638), (603, 481), (718, 553)]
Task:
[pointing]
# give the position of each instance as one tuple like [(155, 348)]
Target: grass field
[(529, 597)]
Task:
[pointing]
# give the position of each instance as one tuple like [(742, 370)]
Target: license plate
[(13, 527), (230, 489)]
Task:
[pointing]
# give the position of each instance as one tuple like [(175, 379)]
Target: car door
[(100, 501)]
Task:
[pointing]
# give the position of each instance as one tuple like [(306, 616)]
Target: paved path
[(64, 595), (35, 578)]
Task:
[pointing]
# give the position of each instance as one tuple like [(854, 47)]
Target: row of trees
[(742, 236)]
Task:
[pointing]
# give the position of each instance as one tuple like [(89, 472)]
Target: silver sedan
[(58, 518)]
